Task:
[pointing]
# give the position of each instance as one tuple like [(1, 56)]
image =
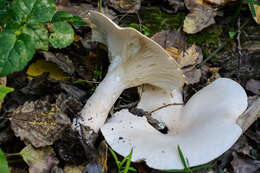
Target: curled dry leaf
[(201, 15), (39, 123), (125, 6), (40, 160)]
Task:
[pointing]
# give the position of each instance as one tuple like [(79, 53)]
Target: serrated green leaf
[(62, 36), (4, 91), (15, 52), (39, 34), (3, 163), (43, 11)]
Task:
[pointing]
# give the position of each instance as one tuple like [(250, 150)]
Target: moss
[(154, 20), (209, 39)]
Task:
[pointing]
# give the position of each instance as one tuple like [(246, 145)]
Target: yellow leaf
[(41, 66)]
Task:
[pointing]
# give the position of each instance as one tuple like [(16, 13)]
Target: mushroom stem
[(99, 104), (249, 116)]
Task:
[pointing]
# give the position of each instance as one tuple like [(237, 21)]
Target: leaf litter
[(60, 101)]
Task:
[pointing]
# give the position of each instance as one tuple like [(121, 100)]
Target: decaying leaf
[(41, 66), (61, 60), (244, 164), (187, 57), (170, 38), (200, 17), (125, 6), (253, 86), (40, 160), (73, 169), (39, 123)]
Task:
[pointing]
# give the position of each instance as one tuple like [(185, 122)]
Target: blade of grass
[(203, 167), (128, 161), (115, 158), (182, 158), (251, 6)]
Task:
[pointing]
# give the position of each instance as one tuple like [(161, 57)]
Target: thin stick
[(250, 115), (164, 106)]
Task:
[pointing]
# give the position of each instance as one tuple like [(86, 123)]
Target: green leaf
[(3, 163), (39, 34), (4, 91), (231, 34), (43, 11), (77, 21), (15, 52), (61, 16), (64, 16), (62, 36)]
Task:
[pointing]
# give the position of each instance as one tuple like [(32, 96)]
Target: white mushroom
[(204, 128), (135, 60)]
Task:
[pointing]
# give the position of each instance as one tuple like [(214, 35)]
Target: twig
[(250, 115), (164, 106)]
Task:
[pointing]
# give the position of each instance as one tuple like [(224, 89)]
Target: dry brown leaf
[(39, 123), (174, 52), (170, 38), (125, 6), (41, 160), (199, 18)]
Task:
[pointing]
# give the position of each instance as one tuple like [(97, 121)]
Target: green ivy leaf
[(4, 91), (64, 16), (39, 34), (62, 35), (3, 163), (15, 52)]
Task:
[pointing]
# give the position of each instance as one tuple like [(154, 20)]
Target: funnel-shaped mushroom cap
[(135, 60), (210, 131), (135, 57)]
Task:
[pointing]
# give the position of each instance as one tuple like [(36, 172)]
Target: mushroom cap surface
[(134, 57), (210, 129)]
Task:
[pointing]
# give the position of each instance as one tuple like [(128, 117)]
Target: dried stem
[(250, 115)]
